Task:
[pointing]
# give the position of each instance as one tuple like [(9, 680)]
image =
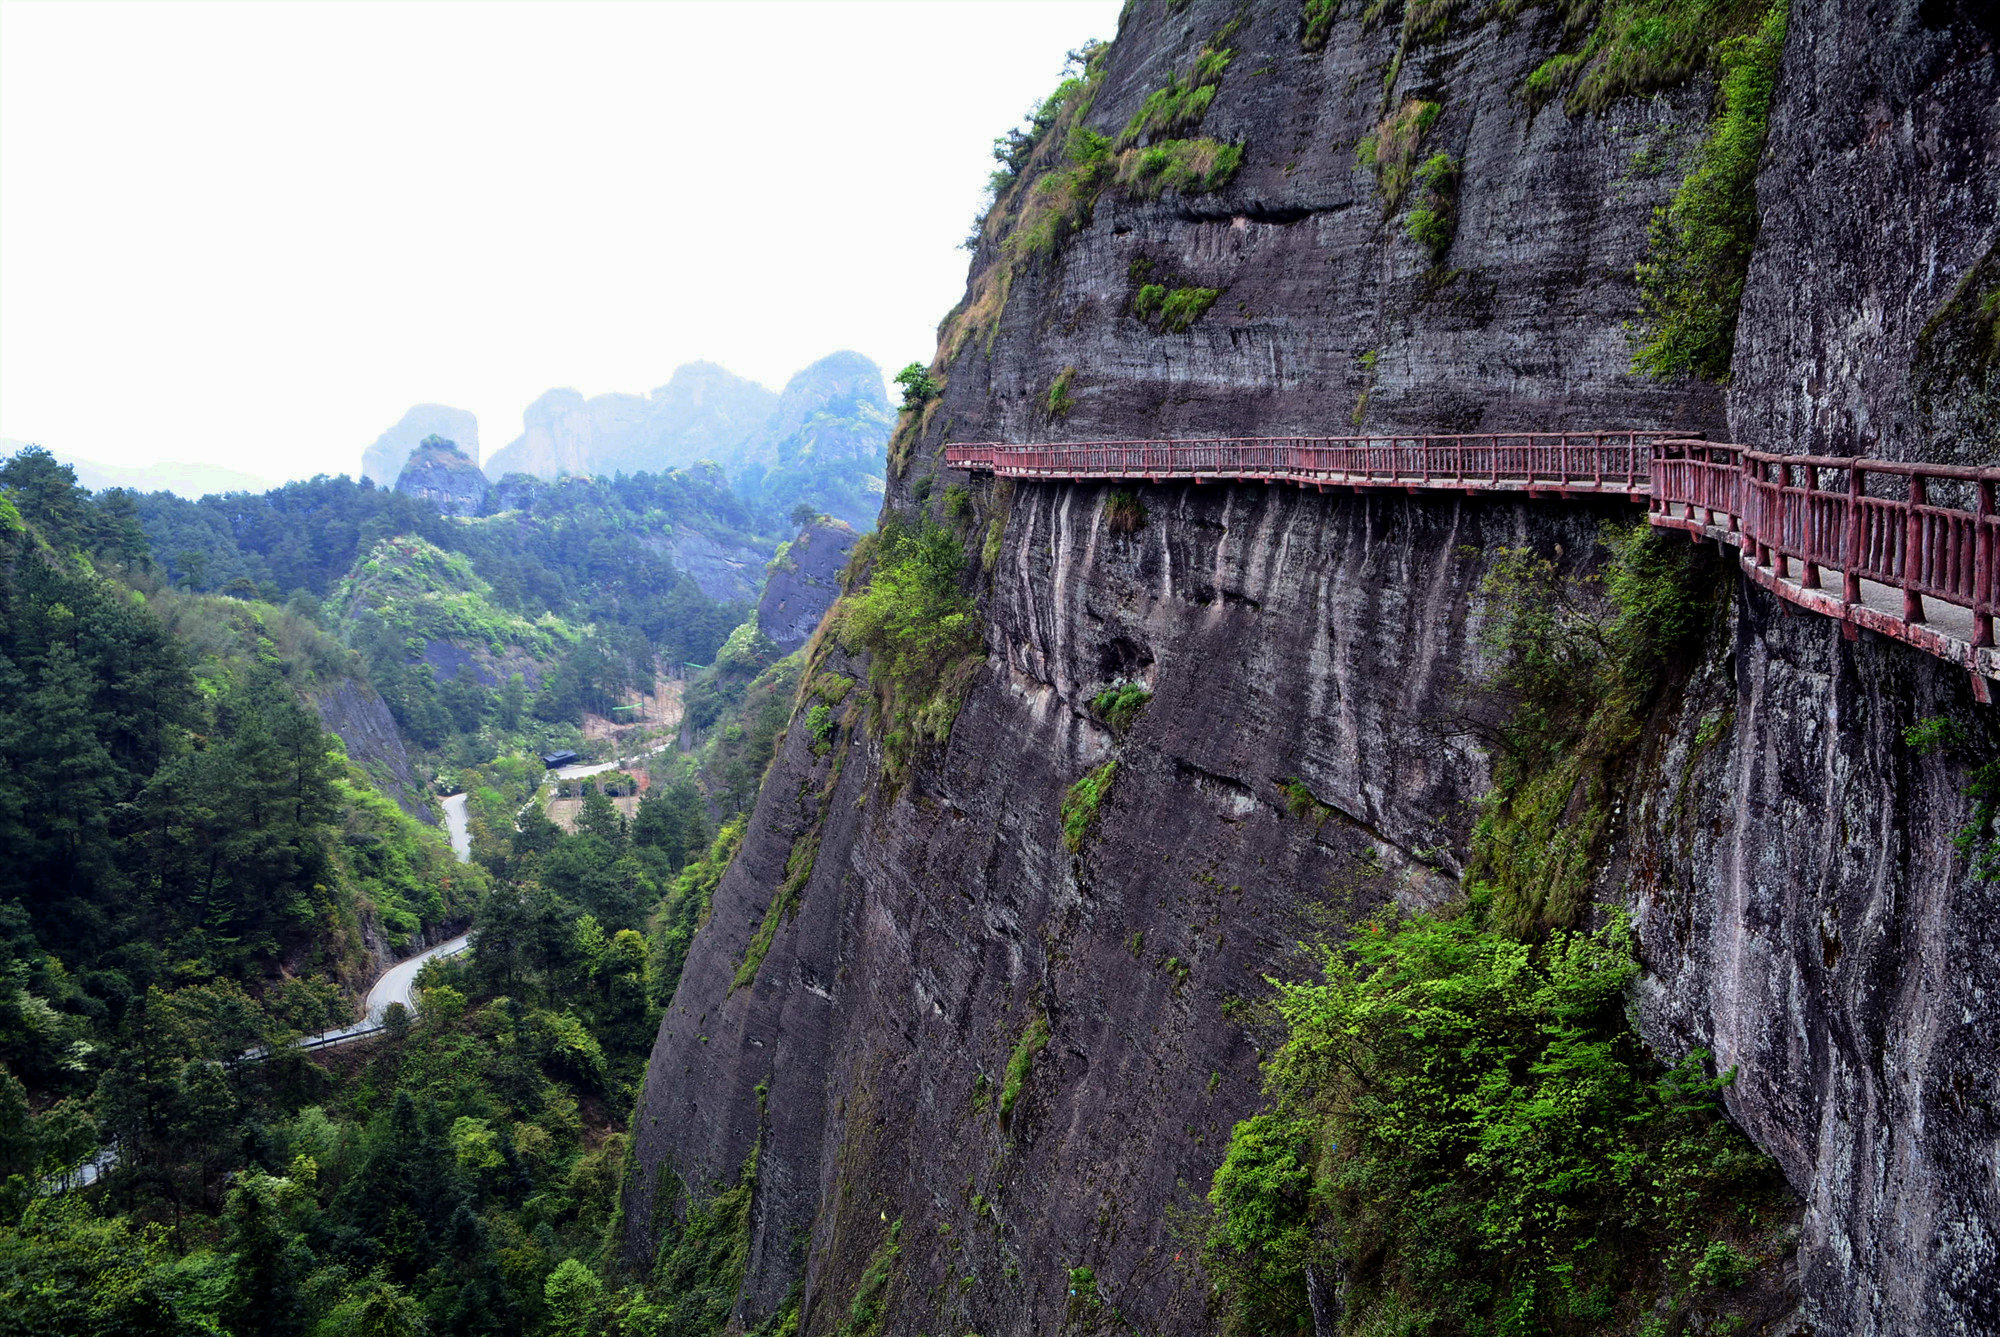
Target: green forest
[(195, 873)]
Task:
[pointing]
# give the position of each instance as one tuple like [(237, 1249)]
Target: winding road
[(397, 984), (456, 827)]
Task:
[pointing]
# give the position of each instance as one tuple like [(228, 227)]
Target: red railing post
[(1809, 536), (1982, 564), (1913, 539), (1850, 585), (1708, 487), (1781, 566)]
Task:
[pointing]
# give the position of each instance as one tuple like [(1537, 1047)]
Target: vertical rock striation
[(884, 942)]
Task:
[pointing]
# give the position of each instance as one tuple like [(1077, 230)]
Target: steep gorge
[(1803, 910)]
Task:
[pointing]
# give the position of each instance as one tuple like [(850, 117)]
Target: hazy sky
[(254, 234)]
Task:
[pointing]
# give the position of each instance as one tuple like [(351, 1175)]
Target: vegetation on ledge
[(1119, 705), (1698, 252), (920, 629), (1577, 662), (1175, 308), (1033, 1040), (1080, 804), (1463, 1134), (1391, 151)]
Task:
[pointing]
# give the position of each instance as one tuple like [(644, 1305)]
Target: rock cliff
[(1803, 909), (384, 460), (439, 472), (803, 582)]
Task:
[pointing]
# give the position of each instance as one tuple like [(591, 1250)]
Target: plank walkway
[(1911, 551)]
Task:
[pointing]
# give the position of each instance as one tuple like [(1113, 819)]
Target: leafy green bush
[(1033, 1040), (1119, 705), (1467, 1126), (1190, 166), (1080, 804), (1177, 308), (920, 630), (919, 386), (1722, 1265), (819, 726), (1698, 251), (1434, 221)]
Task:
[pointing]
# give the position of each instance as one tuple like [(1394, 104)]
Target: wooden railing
[(1866, 541), (1559, 461), (1799, 517)]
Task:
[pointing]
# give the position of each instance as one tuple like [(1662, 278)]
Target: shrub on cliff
[(1576, 661), (920, 630), (1691, 283), (1465, 1130)]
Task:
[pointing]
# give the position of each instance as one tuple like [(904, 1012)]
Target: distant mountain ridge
[(824, 437), (703, 412), (180, 478)]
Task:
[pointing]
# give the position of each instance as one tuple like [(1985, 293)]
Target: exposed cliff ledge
[(1283, 635), (1803, 911)]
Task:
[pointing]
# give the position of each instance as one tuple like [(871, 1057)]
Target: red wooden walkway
[(1907, 550)]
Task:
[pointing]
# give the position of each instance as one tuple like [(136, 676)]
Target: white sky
[(254, 234)]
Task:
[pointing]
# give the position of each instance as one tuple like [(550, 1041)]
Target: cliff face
[(384, 460), (1803, 910), (1809, 917), (440, 473), (1861, 331), (804, 583), (356, 712)]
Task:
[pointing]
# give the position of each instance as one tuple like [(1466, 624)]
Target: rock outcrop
[(384, 460), (354, 710), (440, 473), (803, 582), (1804, 911)]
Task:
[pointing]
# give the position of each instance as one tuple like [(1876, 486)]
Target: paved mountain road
[(456, 827)]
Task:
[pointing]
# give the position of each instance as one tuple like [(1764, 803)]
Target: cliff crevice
[(1031, 1056)]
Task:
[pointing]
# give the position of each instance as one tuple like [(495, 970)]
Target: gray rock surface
[(440, 473), (1880, 194), (1803, 910), (726, 570), (804, 582), (384, 460), (353, 710)]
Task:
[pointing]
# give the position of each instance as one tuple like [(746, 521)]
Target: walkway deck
[(1874, 544)]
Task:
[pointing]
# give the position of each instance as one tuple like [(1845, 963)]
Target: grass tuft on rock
[(1033, 1040), (1080, 805)]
